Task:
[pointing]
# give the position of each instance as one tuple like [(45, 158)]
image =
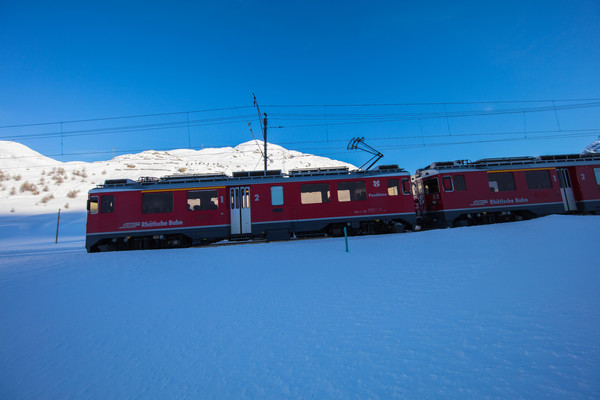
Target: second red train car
[(458, 193)]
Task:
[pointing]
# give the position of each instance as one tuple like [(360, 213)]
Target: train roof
[(514, 162), (254, 176)]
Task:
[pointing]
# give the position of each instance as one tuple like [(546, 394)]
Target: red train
[(179, 211), (459, 193)]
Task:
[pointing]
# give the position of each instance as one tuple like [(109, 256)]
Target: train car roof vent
[(333, 169), (252, 174), (318, 171), (560, 157), (569, 157), (504, 161), (269, 172), (462, 162), (593, 156), (148, 179), (192, 177), (118, 182), (388, 167), (442, 164)]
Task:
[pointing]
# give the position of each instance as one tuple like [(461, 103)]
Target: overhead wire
[(397, 117), (301, 106), (131, 128), (124, 117), (330, 119), (440, 103), (547, 135), (350, 119)]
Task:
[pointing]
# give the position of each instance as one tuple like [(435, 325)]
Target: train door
[(566, 189), (239, 204)]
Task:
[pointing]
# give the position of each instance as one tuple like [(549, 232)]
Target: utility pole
[(57, 224), (265, 139), (263, 125)]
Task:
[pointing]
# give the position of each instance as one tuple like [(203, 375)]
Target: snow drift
[(502, 311)]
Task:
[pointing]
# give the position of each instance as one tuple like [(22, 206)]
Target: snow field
[(501, 311)]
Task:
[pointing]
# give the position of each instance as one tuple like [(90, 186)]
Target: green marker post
[(346, 237)]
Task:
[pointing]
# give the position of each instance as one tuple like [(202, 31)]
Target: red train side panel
[(180, 211), (459, 193)]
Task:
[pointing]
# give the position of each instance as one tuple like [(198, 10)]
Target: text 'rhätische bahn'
[(188, 210)]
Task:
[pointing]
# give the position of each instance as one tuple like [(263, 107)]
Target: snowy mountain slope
[(14, 154), (493, 312), (32, 183)]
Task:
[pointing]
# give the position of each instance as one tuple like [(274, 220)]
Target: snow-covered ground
[(502, 311)]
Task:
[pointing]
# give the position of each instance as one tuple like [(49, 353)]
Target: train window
[(501, 181), (538, 179), (351, 191), (393, 187), (157, 202), (313, 193), (108, 204), (597, 173), (198, 200), (92, 205), (406, 186), (431, 186), (276, 195), (459, 183), (447, 184)]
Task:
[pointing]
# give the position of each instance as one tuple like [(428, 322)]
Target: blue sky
[(455, 76)]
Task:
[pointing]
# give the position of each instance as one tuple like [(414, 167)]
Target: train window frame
[(308, 193), (597, 174), (276, 195), (351, 191), (406, 186), (393, 187), (436, 187), (107, 204), (210, 196), (459, 183), (538, 179), (157, 198), (502, 183), (445, 180), (93, 209)]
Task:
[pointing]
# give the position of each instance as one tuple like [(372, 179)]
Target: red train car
[(459, 193), (180, 211)]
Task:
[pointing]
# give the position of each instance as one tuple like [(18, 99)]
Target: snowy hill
[(492, 313), (32, 183)]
